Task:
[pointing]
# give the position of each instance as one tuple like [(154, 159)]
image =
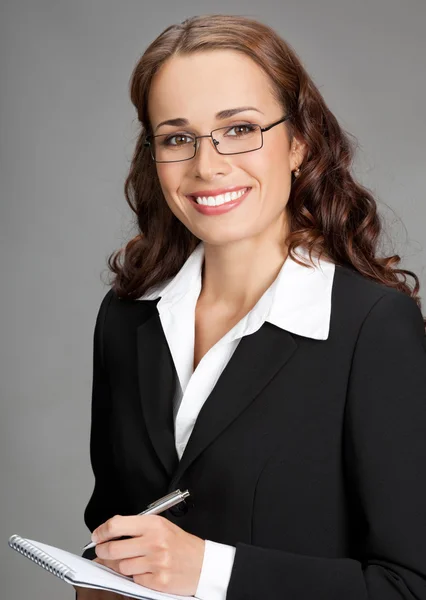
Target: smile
[(220, 198), (215, 205)]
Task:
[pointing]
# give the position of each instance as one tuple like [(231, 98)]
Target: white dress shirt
[(298, 300)]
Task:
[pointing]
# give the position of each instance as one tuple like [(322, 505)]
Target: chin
[(220, 238)]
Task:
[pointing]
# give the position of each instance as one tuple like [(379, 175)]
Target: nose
[(207, 160)]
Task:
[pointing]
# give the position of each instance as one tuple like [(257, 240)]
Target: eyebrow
[(222, 114)]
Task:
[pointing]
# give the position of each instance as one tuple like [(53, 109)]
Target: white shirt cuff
[(216, 571)]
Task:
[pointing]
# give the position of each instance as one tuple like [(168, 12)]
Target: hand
[(160, 555)]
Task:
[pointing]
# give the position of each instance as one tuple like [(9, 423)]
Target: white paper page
[(94, 574)]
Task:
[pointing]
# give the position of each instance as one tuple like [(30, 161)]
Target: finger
[(111, 564), (119, 549), (118, 526), (136, 566)]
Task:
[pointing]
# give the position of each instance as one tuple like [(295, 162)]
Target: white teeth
[(221, 198)]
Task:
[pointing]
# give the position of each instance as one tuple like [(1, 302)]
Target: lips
[(221, 208)]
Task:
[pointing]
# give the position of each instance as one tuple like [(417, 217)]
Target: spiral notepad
[(83, 572)]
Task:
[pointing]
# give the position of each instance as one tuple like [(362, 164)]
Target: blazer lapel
[(157, 383), (254, 363)]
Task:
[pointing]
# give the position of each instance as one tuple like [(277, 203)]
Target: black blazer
[(309, 455)]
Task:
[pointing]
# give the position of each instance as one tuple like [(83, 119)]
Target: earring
[(297, 172)]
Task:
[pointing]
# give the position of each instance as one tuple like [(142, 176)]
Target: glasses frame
[(148, 138)]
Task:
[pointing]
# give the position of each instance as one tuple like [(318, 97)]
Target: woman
[(254, 349)]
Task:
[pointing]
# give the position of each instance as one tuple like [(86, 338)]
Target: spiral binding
[(38, 556)]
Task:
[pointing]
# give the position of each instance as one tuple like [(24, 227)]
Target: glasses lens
[(238, 138), (173, 146), (231, 140)]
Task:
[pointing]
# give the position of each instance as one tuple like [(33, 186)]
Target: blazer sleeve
[(103, 502), (385, 456)]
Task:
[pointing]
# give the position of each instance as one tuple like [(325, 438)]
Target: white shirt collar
[(299, 300)]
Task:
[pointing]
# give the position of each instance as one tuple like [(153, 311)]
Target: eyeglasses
[(248, 139)]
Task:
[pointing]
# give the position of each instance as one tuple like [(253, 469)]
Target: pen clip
[(165, 498)]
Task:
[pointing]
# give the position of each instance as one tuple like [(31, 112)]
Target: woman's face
[(196, 87)]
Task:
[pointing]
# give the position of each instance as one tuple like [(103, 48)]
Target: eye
[(166, 141), (242, 126)]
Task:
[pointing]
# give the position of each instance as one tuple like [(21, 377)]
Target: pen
[(157, 507)]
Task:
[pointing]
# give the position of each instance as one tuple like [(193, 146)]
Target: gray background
[(66, 138)]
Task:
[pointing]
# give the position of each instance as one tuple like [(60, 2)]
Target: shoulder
[(114, 312), (369, 304)]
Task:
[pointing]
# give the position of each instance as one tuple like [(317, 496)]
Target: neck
[(235, 275)]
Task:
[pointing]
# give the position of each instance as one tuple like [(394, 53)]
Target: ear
[(297, 153)]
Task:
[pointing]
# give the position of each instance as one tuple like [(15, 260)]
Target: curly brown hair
[(328, 211)]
